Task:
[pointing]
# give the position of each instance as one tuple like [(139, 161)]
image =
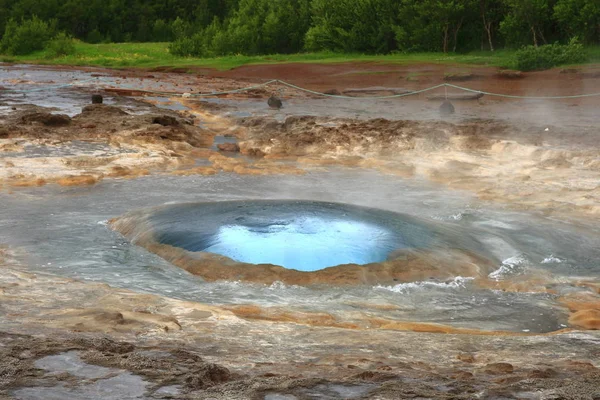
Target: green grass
[(152, 55)]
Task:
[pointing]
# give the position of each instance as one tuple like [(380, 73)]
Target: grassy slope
[(150, 55)]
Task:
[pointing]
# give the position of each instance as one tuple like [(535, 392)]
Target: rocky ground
[(111, 343)]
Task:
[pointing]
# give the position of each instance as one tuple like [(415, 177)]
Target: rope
[(444, 85), (338, 96), (523, 97)]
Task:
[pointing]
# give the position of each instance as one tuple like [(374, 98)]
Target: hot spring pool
[(300, 235)]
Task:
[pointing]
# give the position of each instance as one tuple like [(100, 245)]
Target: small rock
[(232, 147), (97, 99), (463, 376), (186, 95), (333, 92), (498, 369), (459, 77), (255, 152), (165, 120), (509, 74)]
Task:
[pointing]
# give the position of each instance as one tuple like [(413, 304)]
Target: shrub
[(181, 28), (25, 38), (187, 46), (61, 45), (532, 58)]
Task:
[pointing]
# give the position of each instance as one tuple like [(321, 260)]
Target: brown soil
[(321, 77)]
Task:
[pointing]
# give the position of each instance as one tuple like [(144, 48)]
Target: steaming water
[(305, 244), (63, 231), (301, 235)]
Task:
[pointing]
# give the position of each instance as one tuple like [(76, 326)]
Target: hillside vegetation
[(555, 30)]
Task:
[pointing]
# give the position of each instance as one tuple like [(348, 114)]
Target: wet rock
[(580, 365), (165, 120), (463, 376), (46, 119), (97, 99), (459, 77), (510, 74), (231, 147), (333, 92), (446, 108), (498, 369)]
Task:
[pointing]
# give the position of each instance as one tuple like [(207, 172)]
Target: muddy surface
[(63, 337)]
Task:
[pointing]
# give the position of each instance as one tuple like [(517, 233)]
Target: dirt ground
[(542, 156)]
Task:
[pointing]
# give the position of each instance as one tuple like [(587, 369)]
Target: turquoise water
[(296, 234), (304, 244)]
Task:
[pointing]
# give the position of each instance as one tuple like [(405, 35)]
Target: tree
[(420, 21), (352, 25), (526, 15), (579, 18), (491, 12)]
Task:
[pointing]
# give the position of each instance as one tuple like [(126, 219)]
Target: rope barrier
[(339, 96), (411, 93), (509, 96)]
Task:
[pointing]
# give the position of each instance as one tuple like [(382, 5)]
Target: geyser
[(300, 235)]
